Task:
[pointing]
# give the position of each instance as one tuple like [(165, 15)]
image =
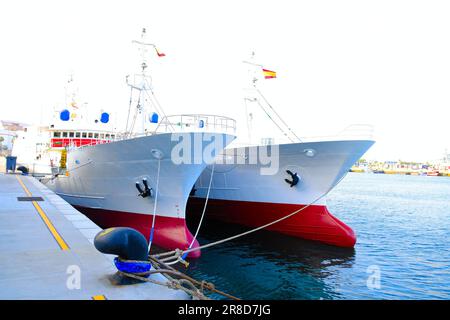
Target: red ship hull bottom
[(313, 223), (170, 233)]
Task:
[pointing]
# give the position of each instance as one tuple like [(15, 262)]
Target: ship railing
[(196, 123), (178, 123), (352, 132), (73, 146), (182, 123)]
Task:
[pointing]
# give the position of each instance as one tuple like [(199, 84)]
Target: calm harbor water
[(403, 229)]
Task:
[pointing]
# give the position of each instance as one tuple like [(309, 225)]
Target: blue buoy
[(201, 124), (104, 117), (154, 118), (64, 115)]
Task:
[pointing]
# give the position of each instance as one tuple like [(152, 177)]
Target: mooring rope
[(203, 213), (252, 230), (172, 284), (152, 230), (169, 272)]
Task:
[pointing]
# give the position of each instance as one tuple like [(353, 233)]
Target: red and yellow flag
[(269, 74), (160, 54)]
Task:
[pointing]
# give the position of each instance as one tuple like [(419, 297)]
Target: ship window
[(84, 135), (107, 136), (57, 134), (71, 134), (102, 136), (64, 134), (77, 134), (89, 134), (96, 135), (112, 136)]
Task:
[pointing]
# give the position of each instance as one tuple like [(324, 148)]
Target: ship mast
[(264, 104), (142, 84)]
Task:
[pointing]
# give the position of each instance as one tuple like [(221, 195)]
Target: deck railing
[(178, 123), (197, 123), (351, 132)]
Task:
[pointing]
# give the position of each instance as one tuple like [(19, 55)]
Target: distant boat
[(378, 171), (433, 173), (357, 169)]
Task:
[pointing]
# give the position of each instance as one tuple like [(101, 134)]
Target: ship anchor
[(147, 192), (295, 178)]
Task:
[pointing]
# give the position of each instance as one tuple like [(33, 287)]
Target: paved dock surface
[(47, 250)]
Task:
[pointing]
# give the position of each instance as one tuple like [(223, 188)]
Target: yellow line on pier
[(63, 245), (99, 297), (23, 186)]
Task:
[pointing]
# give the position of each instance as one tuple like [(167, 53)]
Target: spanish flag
[(160, 54), (269, 74)]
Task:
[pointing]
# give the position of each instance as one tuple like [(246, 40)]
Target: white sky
[(386, 63)]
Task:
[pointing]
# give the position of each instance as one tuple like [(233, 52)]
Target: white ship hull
[(240, 194), (101, 183)]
